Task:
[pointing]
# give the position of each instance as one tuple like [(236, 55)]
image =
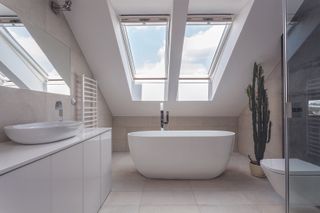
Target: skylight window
[(152, 90), (146, 42), (193, 90), (203, 41)]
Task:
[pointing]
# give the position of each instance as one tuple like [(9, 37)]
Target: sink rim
[(43, 132), (44, 125)]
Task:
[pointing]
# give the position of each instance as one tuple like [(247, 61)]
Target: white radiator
[(87, 99)]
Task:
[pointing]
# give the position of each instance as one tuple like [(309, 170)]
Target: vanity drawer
[(27, 189)]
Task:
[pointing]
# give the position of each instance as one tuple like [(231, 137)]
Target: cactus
[(259, 107)]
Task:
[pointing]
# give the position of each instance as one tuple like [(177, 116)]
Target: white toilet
[(304, 179)]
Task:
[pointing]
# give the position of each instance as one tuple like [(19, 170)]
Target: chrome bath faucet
[(162, 120), (59, 107)]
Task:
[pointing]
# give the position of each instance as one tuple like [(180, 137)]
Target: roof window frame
[(225, 19), (159, 18)]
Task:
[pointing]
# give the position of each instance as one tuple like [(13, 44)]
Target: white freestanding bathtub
[(181, 154)]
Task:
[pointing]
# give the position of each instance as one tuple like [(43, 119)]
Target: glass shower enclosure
[(302, 94)]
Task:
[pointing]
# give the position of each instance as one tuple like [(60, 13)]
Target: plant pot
[(256, 170)]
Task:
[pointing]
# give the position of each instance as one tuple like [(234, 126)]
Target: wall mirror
[(30, 58)]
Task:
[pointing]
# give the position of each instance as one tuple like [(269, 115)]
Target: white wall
[(21, 106)]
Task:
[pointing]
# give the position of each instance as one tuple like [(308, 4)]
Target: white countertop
[(13, 155)]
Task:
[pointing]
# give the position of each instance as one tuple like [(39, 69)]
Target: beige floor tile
[(263, 197), (167, 185), (169, 209), (212, 185), (127, 175), (127, 185), (221, 184), (124, 198), (230, 209), (272, 208), (303, 209), (168, 198), (123, 168), (234, 191), (221, 198), (251, 185), (235, 173), (120, 209)]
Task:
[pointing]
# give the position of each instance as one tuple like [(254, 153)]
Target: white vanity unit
[(69, 176)]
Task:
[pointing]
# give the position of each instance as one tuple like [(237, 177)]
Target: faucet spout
[(163, 121), (58, 106)]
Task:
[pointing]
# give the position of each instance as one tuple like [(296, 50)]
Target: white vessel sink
[(44, 132)]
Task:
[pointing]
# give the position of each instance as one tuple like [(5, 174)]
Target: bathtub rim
[(146, 134)]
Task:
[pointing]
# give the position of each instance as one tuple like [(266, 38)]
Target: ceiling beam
[(177, 29)]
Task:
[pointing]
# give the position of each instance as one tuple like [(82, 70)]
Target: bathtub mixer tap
[(58, 106), (162, 120)]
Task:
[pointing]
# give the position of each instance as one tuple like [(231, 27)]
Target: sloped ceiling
[(165, 6), (255, 36), (4, 11)]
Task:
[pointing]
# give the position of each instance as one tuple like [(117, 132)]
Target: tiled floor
[(233, 192)]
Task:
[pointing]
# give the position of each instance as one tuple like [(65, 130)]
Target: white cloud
[(153, 69), (198, 49)]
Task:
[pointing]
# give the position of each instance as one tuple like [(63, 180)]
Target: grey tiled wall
[(304, 85)]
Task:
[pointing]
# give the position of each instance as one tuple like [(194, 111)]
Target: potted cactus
[(261, 124)]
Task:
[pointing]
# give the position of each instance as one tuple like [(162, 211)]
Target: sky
[(200, 45), (148, 45)]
